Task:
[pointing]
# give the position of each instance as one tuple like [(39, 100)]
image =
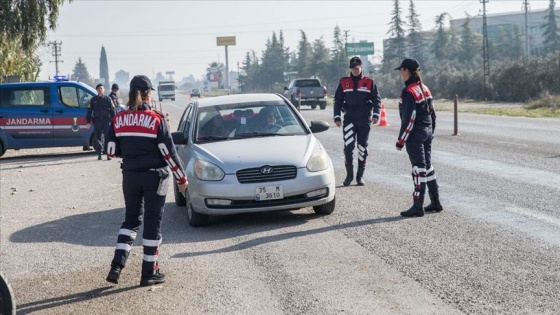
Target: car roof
[(239, 98)]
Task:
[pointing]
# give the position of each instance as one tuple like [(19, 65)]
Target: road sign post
[(226, 41)]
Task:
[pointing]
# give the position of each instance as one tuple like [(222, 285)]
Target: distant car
[(235, 164), (195, 92)]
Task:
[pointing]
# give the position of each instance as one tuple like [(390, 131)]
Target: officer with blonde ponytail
[(142, 138), (418, 122)]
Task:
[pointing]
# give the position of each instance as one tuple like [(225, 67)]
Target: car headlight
[(319, 161), (205, 170)]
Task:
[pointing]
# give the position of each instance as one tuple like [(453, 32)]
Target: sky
[(147, 37)]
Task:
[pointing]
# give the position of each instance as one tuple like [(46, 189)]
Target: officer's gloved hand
[(399, 145)]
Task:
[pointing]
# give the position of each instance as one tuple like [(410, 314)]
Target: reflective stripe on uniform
[(127, 232), (151, 243)]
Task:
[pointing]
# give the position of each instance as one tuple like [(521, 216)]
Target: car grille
[(255, 175)]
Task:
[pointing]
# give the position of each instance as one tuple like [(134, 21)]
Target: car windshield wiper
[(212, 138), (256, 134)]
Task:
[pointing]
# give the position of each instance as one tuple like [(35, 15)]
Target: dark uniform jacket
[(356, 97), (143, 140), (100, 107), (416, 109)]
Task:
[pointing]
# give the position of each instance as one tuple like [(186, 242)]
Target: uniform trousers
[(142, 204)]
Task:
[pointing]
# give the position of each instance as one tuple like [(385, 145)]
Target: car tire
[(173, 99), (2, 148), (194, 218), (325, 209), (160, 99), (313, 106), (7, 300), (323, 106), (180, 199)]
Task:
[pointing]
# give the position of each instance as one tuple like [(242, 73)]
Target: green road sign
[(361, 49)]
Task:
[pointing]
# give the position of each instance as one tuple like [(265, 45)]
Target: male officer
[(356, 96), (101, 110), (115, 98)]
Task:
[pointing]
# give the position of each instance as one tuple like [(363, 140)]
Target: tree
[(303, 56), (442, 38), (416, 43), (27, 21), (551, 35), (338, 65), (104, 67), (23, 28), (80, 73), (16, 62), (469, 43), (397, 45), (319, 64), (273, 64)]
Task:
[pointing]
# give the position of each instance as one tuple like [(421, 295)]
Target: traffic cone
[(383, 119)]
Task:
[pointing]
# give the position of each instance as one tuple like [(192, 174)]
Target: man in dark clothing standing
[(357, 97), (101, 110), (115, 98)]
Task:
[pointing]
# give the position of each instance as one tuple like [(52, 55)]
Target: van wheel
[(327, 208), (313, 106), (160, 99), (173, 99), (323, 106), (2, 148)]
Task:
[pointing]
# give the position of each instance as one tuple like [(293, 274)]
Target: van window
[(26, 97), (74, 97)]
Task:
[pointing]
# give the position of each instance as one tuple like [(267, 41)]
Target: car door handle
[(60, 111), (44, 111)]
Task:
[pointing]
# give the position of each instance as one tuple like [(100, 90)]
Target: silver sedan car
[(251, 153)]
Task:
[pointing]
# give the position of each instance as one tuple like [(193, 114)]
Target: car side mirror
[(285, 88), (318, 126), (180, 137)]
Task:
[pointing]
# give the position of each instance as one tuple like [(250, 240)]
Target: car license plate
[(311, 99), (268, 192)]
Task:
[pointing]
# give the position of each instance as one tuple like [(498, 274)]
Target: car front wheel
[(327, 208), (180, 200), (195, 219)]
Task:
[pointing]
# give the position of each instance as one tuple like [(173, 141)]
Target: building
[(508, 22)]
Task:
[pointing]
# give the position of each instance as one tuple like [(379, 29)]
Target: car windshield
[(247, 120)]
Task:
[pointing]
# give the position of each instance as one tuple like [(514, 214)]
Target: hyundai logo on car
[(267, 170)]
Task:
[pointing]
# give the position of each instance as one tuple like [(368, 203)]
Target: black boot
[(349, 174), (156, 278), (417, 209), (434, 205), (360, 174), (114, 274)]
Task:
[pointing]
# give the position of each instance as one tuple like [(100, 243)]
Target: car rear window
[(308, 83)]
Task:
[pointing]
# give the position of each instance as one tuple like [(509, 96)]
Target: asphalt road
[(493, 250)]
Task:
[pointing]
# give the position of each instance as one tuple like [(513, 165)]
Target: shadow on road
[(280, 237), (45, 304), (38, 160)]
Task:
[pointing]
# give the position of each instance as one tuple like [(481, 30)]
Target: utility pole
[(56, 53), (346, 42), (485, 50), (526, 6)]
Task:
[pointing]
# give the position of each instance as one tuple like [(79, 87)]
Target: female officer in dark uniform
[(418, 122), (141, 137)]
